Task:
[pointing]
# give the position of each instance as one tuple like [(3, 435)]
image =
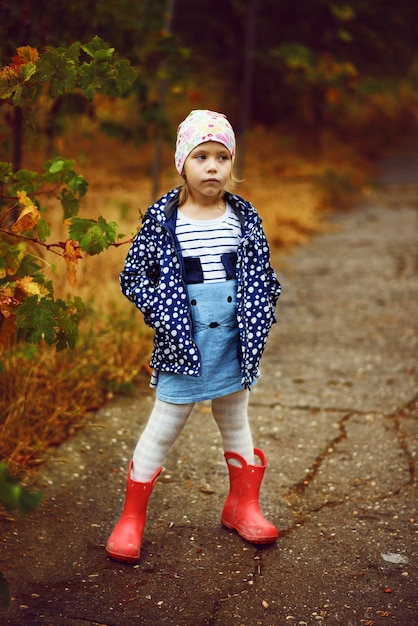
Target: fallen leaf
[(207, 489)]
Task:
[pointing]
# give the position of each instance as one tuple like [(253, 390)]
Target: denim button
[(213, 324)]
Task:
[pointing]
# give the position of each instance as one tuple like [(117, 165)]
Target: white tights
[(168, 420)]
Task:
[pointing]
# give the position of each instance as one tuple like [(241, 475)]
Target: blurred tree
[(29, 312), (379, 39), (162, 93), (246, 82), (133, 27), (136, 29), (239, 45), (321, 81)]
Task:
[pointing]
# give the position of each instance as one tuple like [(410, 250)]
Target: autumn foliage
[(29, 311)]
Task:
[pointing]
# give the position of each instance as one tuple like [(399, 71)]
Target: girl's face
[(208, 169)]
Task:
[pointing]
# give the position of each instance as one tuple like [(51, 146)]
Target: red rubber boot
[(241, 510), (124, 544)]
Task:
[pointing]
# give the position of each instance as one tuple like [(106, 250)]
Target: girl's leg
[(231, 416), (164, 426), (241, 511)]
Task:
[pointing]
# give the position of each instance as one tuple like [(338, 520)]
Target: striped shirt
[(209, 240)]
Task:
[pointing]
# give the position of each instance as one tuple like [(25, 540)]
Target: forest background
[(90, 97)]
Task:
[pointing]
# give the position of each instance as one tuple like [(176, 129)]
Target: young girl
[(199, 271)]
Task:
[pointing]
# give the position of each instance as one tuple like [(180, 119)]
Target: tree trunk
[(244, 104), (17, 139), (158, 145)]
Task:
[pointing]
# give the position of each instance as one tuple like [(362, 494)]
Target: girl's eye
[(203, 157)]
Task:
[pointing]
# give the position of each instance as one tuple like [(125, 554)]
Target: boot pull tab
[(235, 460), (262, 457)]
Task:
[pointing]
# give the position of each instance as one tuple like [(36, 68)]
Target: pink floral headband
[(202, 125)]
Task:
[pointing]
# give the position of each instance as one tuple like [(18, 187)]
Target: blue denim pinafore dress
[(213, 309)]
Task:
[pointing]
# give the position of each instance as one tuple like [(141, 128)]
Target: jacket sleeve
[(140, 276), (275, 287)]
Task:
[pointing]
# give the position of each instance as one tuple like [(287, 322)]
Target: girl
[(199, 271)]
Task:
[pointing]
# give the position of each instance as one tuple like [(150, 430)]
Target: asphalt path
[(335, 411)]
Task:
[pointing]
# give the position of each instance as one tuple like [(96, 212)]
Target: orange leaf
[(7, 304), (25, 55), (29, 215), (72, 253), (26, 286), (7, 319), (28, 54)]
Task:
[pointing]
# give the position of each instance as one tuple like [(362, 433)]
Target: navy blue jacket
[(153, 278)]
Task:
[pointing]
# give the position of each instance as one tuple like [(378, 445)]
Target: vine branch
[(50, 246)]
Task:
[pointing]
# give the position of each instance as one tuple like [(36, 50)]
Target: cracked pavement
[(336, 412)]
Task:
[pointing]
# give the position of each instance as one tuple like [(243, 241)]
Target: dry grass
[(44, 394)]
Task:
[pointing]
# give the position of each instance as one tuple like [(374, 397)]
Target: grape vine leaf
[(93, 235), (52, 321)]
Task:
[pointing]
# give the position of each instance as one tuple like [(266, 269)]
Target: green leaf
[(8, 86), (69, 202), (29, 501), (66, 326), (17, 99), (78, 185), (94, 77), (93, 236), (344, 35), (125, 76), (26, 180), (6, 172), (87, 80), (13, 495), (68, 318), (297, 56), (71, 195), (73, 52), (15, 258), (36, 319), (57, 69), (98, 49), (58, 170), (43, 230), (19, 263), (27, 71), (56, 166), (345, 12), (113, 79), (53, 321)]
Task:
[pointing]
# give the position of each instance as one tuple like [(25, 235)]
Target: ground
[(336, 413)]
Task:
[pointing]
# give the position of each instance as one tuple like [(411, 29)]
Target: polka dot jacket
[(153, 280)]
